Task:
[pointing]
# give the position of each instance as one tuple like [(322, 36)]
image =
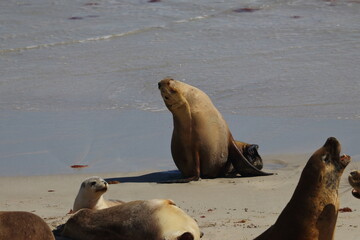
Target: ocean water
[(78, 82)]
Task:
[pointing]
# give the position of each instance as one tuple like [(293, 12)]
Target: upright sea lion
[(90, 195), (202, 144), (354, 180), (312, 211), (23, 225), (156, 219)]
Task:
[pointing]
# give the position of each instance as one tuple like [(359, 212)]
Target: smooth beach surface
[(78, 86)]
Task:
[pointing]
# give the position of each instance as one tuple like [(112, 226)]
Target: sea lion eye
[(92, 183), (325, 158), (172, 91)]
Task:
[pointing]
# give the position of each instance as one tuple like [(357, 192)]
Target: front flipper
[(242, 165)]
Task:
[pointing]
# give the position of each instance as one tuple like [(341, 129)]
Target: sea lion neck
[(182, 115)]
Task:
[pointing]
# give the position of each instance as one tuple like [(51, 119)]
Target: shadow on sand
[(156, 177)]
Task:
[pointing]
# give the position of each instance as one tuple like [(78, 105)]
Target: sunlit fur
[(23, 225), (90, 195), (157, 219), (311, 213)]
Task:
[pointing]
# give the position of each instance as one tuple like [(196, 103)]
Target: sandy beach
[(225, 208), (79, 86)]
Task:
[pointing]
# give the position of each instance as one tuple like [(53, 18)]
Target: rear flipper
[(247, 163)]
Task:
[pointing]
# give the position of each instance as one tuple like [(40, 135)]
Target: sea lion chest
[(200, 134)]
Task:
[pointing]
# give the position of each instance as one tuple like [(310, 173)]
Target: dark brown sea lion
[(202, 144), (23, 226), (156, 219), (354, 181), (312, 211)]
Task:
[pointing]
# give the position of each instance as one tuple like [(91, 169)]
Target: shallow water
[(43, 143), (79, 79)]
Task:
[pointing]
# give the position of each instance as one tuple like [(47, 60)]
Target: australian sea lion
[(354, 180), (202, 144), (90, 195), (312, 211), (155, 219), (23, 225)]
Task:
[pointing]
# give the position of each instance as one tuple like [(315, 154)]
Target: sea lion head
[(96, 185), (313, 209), (170, 90), (325, 167), (90, 194), (354, 180), (328, 159)]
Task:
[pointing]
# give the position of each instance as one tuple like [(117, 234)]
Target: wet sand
[(47, 143)]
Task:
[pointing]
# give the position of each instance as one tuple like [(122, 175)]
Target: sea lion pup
[(90, 195), (23, 225), (354, 181), (312, 211), (156, 219), (202, 144)]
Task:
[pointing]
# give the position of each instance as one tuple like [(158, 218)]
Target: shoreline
[(225, 208), (48, 143)]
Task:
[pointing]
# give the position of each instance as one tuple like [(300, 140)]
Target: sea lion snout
[(102, 189), (332, 148), (165, 82), (355, 193), (355, 175), (332, 145), (354, 181), (331, 140), (169, 90)]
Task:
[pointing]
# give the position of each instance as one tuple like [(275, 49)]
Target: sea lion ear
[(172, 86), (83, 185), (186, 236), (171, 83), (171, 202)]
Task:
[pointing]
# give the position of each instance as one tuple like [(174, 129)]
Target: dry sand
[(225, 208)]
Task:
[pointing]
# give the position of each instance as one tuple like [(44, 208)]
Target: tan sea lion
[(90, 195), (202, 144), (156, 219), (312, 211), (354, 181), (23, 225)]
